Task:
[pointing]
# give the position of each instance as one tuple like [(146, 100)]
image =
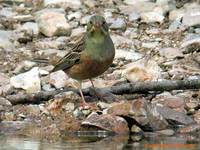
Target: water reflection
[(123, 142)]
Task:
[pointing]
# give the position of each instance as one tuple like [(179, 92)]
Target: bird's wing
[(72, 57)]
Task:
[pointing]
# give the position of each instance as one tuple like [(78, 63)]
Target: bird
[(90, 56)]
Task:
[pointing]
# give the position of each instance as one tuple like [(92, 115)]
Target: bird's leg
[(83, 104), (96, 93)]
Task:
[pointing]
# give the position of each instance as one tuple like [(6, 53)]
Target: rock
[(118, 24), (176, 14), (140, 111), (33, 110), (7, 12), (24, 35), (120, 41), (193, 128), (69, 107), (24, 65), (192, 17), (175, 102), (58, 79), (90, 3), (5, 102), (152, 17), (107, 122), (31, 26), (172, 115), (77, 31), (120, 53), (142, 71), (10, 116), (134, 16), (103, 105), (191, 44), (52, 22), (136, 130), (28, 81), (131, 2), (84, 20), (63, 3), (167, 132), (150, 45), (74, 15), (4, 79), (6, 41), (171, 53)]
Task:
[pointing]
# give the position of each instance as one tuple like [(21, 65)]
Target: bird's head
[(97, 24)]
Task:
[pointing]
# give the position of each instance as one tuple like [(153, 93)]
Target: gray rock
[(106, 122), (134, 16), (191, 43), (176, 14), (152, 17), (5, 102), (131, 2), (6, 40), (118, 24), (172, 115), (33, 110), (28, 81), (150, 45), (24, 35), (52, 22), (4, 79), (58, 79), (7, 12), (74, 15), (32, 26), (128, 55), (170, 52), (192, 18), (77, 31), (84, 20), (63, 3)]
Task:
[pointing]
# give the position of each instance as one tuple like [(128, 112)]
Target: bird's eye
[(90, 22), (104, 22)]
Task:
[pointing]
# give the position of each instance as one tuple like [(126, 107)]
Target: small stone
[(118, 24), (10, 116), (140, 71), (152, 17), (191, 44), (32, 26), (84, 20), (171, 52), (24, 65), (52, 22), (136, 129), (176, 14), (103, 105), (28, 81), (69, 107), (77, 31), (5, 102), (134, 16), (193, 128), (150, 45), (192, 17), (33, 110), (6, 40), (58, 79), (127, 55), (168, 132), (74, 15), (66, 3)]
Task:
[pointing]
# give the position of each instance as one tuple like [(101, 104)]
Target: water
[(122, 142)]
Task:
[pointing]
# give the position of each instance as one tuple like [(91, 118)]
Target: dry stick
[(125, 88)]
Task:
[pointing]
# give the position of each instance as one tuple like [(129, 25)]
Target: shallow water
[(122, 142)]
